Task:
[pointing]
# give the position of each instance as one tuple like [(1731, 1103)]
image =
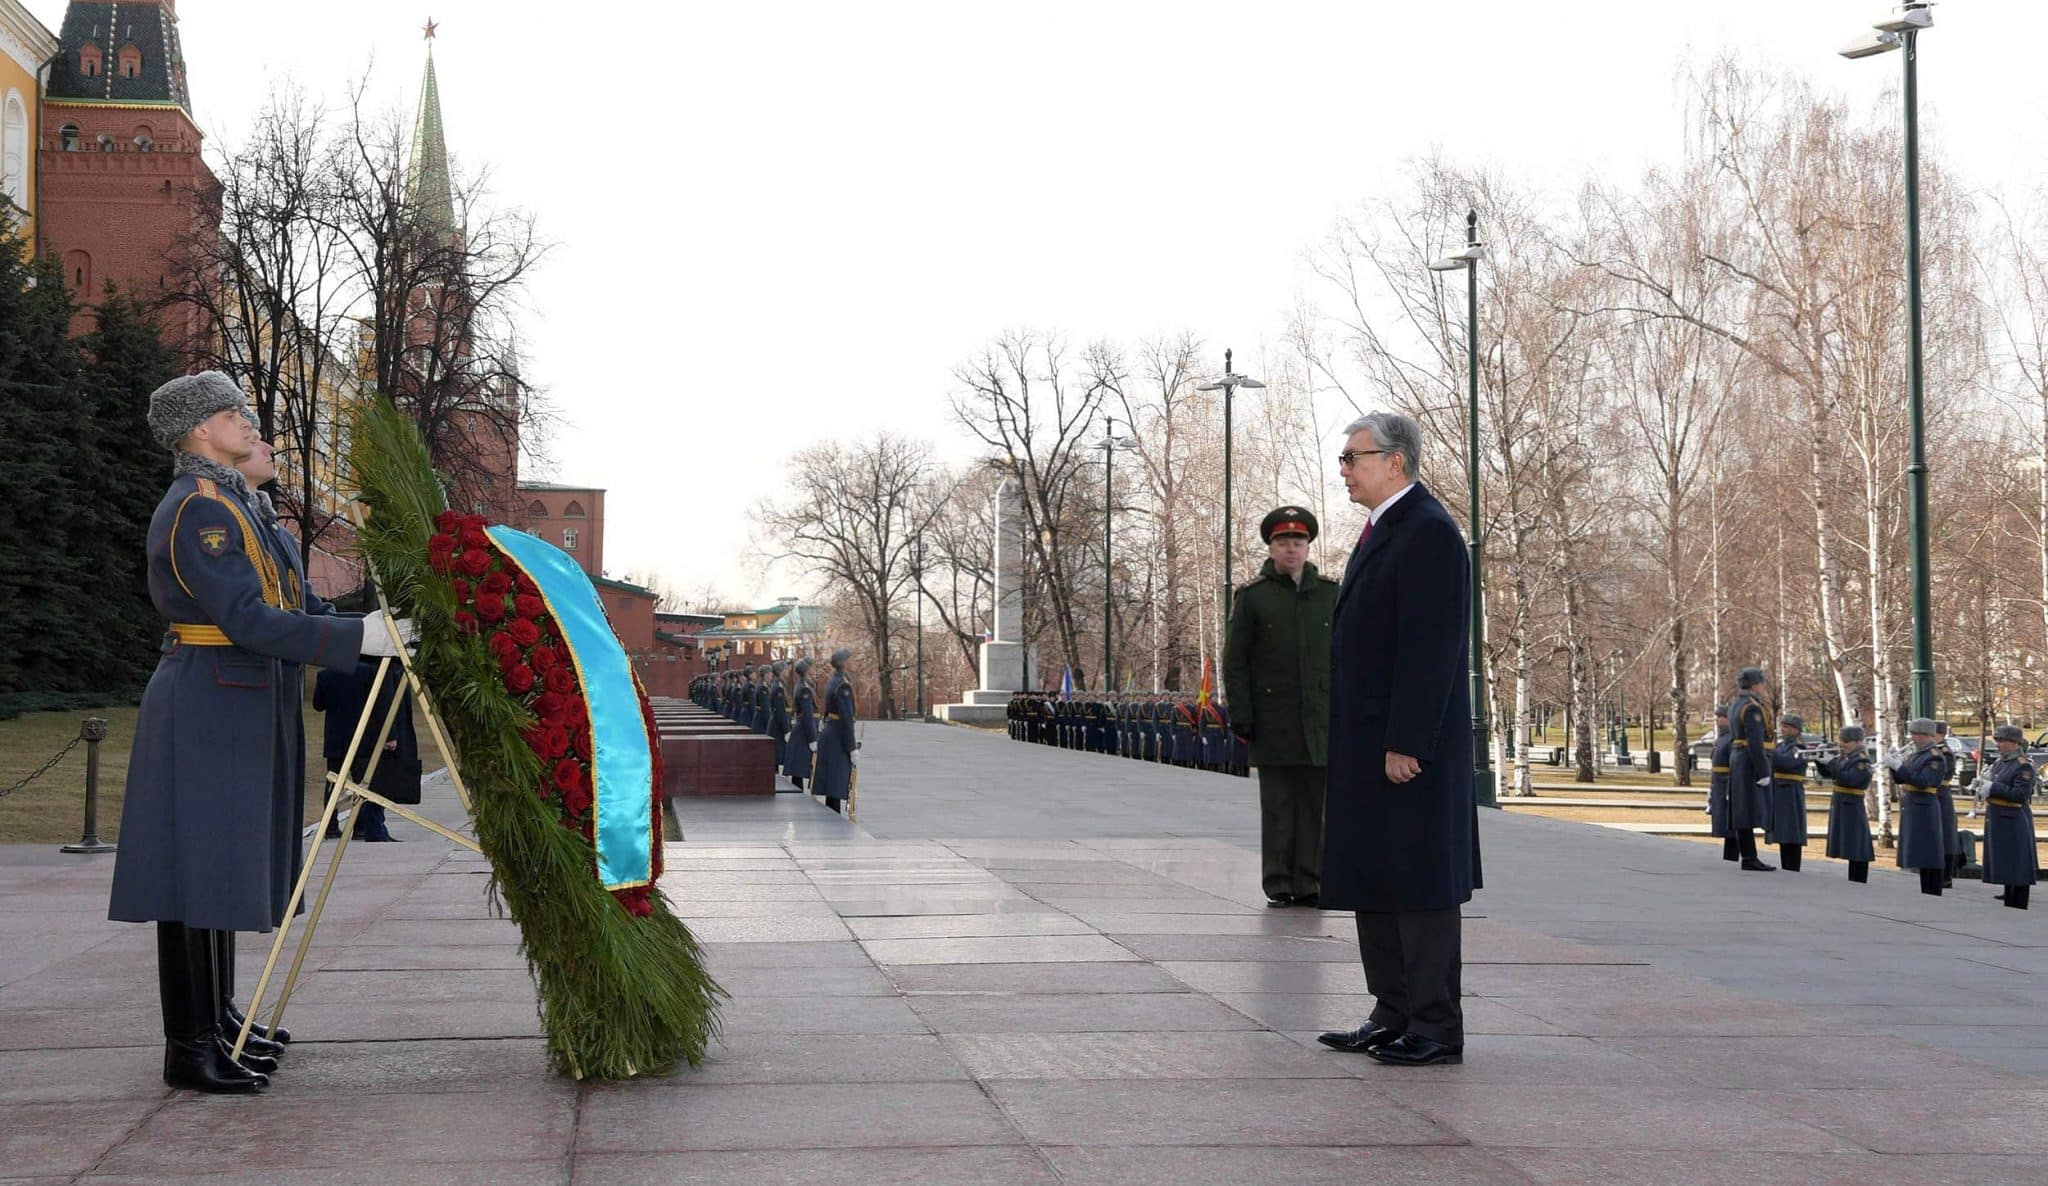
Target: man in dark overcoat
[(1918, 775), (803, 728), (1749, 764), (835, 773), (1717, 788), (1787, 827), (1276, 670), (2011, 861), (1848, 821), (199, 852), (1401, 828)]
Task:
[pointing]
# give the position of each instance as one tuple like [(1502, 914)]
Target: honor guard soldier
[(778, 709), (1717, 788), (1848, 819), (1951, 831), (2010, 859), (835, 772), (1788, 793), (1749, 765), (1918, 774), (199, 851), (803, 728), (1276, 674)]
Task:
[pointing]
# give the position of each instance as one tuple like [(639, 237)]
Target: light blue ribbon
[(621, 764)]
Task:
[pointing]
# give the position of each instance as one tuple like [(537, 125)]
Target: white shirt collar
[(1376, 512)]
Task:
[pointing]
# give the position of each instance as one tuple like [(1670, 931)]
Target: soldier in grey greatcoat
[(834, 771), (2010, 858), (778, 710), (1787, 828), (1917, 775), (803, 728), (1848, 819), (210, 766), (1717, 788), (1749, 764)]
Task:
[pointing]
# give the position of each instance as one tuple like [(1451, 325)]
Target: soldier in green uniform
[(1276, 677)]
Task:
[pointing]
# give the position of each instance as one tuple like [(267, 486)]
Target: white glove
[(854, 757), (377, 641), (1893, 761), (1981, 785), (814, 747)]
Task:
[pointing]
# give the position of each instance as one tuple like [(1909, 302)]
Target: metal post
[(1108, 525), (1482, 747), (1229, 389), (94, 731), (1916, 471), (919, 566)]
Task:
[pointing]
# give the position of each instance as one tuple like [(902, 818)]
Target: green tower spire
[(427, 187)]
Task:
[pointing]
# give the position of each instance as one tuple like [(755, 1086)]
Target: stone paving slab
[(1028, 966)]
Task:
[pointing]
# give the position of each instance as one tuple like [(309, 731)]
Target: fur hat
[(2009, 733), (184, 403), (1749, 677), (1852, 733)]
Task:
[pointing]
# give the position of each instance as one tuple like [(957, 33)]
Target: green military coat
[(1276, 666)]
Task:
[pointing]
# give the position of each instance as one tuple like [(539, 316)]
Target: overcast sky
[(781, 223)]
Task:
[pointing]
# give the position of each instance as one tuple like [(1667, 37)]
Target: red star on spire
[(430, 28)]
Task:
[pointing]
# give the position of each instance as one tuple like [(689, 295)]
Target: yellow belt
[(2004, 803), (194, 635), (1789, 777), (1922, 790), (1856, 791), (831, 716), (1721, 770)]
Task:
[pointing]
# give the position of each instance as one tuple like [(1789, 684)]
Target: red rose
[(522, 631), (579, 742), (519, 680), (543, 658), (560, 679), (447, 522), (549, 707), (463, 592), (441, 543), (567, 774), (502, 646), (525, 584), (473, 522), (577, 713), (554, 742), (576, 799), (441, 559), (491, 609), (472, 537), (529, 605), (465, 621), (507, 659), (498, 583), (475, 562)]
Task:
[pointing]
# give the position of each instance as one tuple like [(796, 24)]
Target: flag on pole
[(1067, 684), (1130, 681), (1208, 683)]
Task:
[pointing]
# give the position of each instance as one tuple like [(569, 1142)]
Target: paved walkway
[(1027, 966)]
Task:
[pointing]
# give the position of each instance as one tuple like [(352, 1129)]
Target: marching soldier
[(803, 730), (1749, 765), (1717, 788), (199, 851), (1788, 793), (835, 771), (2010, 858), (1918, 774), (1276, 671), (1848, 819)]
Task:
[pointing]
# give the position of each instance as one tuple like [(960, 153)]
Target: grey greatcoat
[(1788, 794), (1749, 763), (1398, 682), (1920, 843), (212, 768), (1717, 787), (1848, 819), (2010, 857), (778, 720), (833, 771), (803, 730)]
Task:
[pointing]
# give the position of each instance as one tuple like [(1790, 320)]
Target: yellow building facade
[(25, 50)]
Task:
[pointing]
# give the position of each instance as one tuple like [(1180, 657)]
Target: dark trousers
[(1291, 829), (1413, 967)]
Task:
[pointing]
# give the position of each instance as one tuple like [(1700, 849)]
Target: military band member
[(1918, 774), (803, 729), (1749, 765), (1717, 788), (1951, 831), (835, 772), (1788, 793), (2010, 859), (1848, 819), (199, 825)]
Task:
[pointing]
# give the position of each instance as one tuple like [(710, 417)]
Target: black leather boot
[(260, 1041), (1788, 856), (2016, 897), (1859, 871), (194, 1057), (1930, 882), (1730, 850)]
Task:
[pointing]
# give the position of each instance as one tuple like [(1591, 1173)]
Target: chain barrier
[(88, 733)]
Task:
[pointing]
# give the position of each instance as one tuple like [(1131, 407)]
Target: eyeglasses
[(1349, 457)]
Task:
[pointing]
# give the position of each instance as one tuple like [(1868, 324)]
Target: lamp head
[(1906, 18), (1871, 44)]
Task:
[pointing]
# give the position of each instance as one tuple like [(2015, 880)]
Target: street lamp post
[(1228, 385), (1109, 444), (917, 566), (1467, 261), (1901, 31)]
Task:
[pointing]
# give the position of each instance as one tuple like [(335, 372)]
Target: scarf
[(225, 476)]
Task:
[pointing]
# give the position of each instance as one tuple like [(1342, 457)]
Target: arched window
[(14, 149), (568, 539), (145, 137), (573, 511), (537, 508), (106, 142), (67, 137), (79, 265)]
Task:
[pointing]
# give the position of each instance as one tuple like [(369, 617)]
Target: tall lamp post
[(1901, 30), (1228, 385), (1467, 261), (1109, 445)]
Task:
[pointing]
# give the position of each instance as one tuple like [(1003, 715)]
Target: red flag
[(1208, 683)]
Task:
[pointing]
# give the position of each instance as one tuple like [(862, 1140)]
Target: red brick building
[(569, 517), (118, 161)]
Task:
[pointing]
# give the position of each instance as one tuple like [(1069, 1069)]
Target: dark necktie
[(1366, 534)]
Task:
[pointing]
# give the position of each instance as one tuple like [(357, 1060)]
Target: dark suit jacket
[(1399, 681)]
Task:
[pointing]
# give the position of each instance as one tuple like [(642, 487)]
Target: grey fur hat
[(840, 656), (778, 666), (184, 403), (1720, 712), (803, 665), (2009, 733), (1852, 733), (1793, 721), (1921, 725), (1749, 677)]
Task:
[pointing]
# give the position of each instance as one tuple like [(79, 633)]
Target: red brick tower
[(120, 170)]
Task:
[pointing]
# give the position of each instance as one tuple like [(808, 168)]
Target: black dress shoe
[(262, 1064), (1752, 865), (1365, 1038), (1274, 903), (1414, 1050), (1312, 901), (231, 1019)]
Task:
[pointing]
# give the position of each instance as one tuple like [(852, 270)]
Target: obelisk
[(1002, 656)]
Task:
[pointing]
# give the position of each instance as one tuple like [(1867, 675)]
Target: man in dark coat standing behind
[(1401, 824)]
